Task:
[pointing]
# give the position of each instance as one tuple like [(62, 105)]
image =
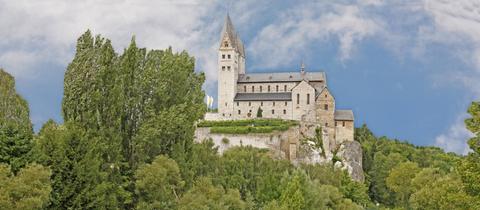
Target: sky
[(407, 68)]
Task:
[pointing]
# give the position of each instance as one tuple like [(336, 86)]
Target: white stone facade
[(300, 95)]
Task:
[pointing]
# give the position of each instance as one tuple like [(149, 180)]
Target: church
[(298, 95)]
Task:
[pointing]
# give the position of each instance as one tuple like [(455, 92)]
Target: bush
[(225, 140)]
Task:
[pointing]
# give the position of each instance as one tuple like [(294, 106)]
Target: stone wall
[(279, 142), (343, 131)]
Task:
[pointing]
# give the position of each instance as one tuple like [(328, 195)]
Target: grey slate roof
[(229, 30), (344, 115), (281, 77), (263, 97)]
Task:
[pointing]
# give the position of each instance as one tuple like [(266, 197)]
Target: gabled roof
[(344, 115), (229, 30), (281, 77), (263, 97)]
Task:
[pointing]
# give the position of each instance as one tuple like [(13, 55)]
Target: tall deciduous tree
[(15, 126), (29, 189)]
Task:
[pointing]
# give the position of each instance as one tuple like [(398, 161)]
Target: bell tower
[(231, 63)]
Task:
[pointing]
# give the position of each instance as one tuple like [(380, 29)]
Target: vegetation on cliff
[(127, 143)]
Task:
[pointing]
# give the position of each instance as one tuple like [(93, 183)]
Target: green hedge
[(248, 126), (252, 122)]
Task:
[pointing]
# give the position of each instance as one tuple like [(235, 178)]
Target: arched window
[(253, 89), (298, 98), (225, 44), (285, 88), (261, 89), (308, 98), (326, 106), (245, 88), (273, 111), (284, 111), (239, 112), (269, 88), (277, 88)]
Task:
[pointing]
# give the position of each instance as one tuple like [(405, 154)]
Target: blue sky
[(409, 69)]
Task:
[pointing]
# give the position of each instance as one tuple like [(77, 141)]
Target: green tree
[(205, 196), (15, 126), (292, 195), (29, 189), (469, 168), (400, 181), (259, 112), (445, 193), (158, 184)]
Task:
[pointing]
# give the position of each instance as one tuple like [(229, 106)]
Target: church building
[(298, 95)]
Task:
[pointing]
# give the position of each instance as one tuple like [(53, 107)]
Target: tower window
[(249, 103), (225, 44), (239, 112), (245, 88), (253, 89), (326, 106), (343, 122), (223, 68), (298, 98), (228, 67), (273, 104), (238, 103), (268, 88), (284, 111), (335, 123), (285, 88), (308, 98), (325, 95), (273, 111), (261, 103), (228, 56), (223, 56), (260, 88), (286, 103), (277, 88)]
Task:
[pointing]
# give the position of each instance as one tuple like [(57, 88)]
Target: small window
[(229, 56), (245, 88), (223, 68), (250, 111), (223, 114), (239, 112), (277, 88), (273, 111), (335, 123), (284, 111), (326, 124), (261, 103), (298, 98), (325, 95), (273, 104), (228, 68), (223, 56), (225, 103), (225, 44), (286, 103), (343, 122), (285, 88), (249, 103), (261, 88), (308, 98), (238, 103), (253, 89), (326, 106), (269, 88)]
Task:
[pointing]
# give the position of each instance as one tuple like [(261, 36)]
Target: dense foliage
[(247, 126), (127, 143)]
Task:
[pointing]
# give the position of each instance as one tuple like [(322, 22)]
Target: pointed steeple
[(229, 31)]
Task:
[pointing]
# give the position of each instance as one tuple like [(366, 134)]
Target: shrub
[(225, 140)]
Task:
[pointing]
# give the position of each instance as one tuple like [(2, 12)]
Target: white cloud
[(455, 139), (46, 31), (287, 38)]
